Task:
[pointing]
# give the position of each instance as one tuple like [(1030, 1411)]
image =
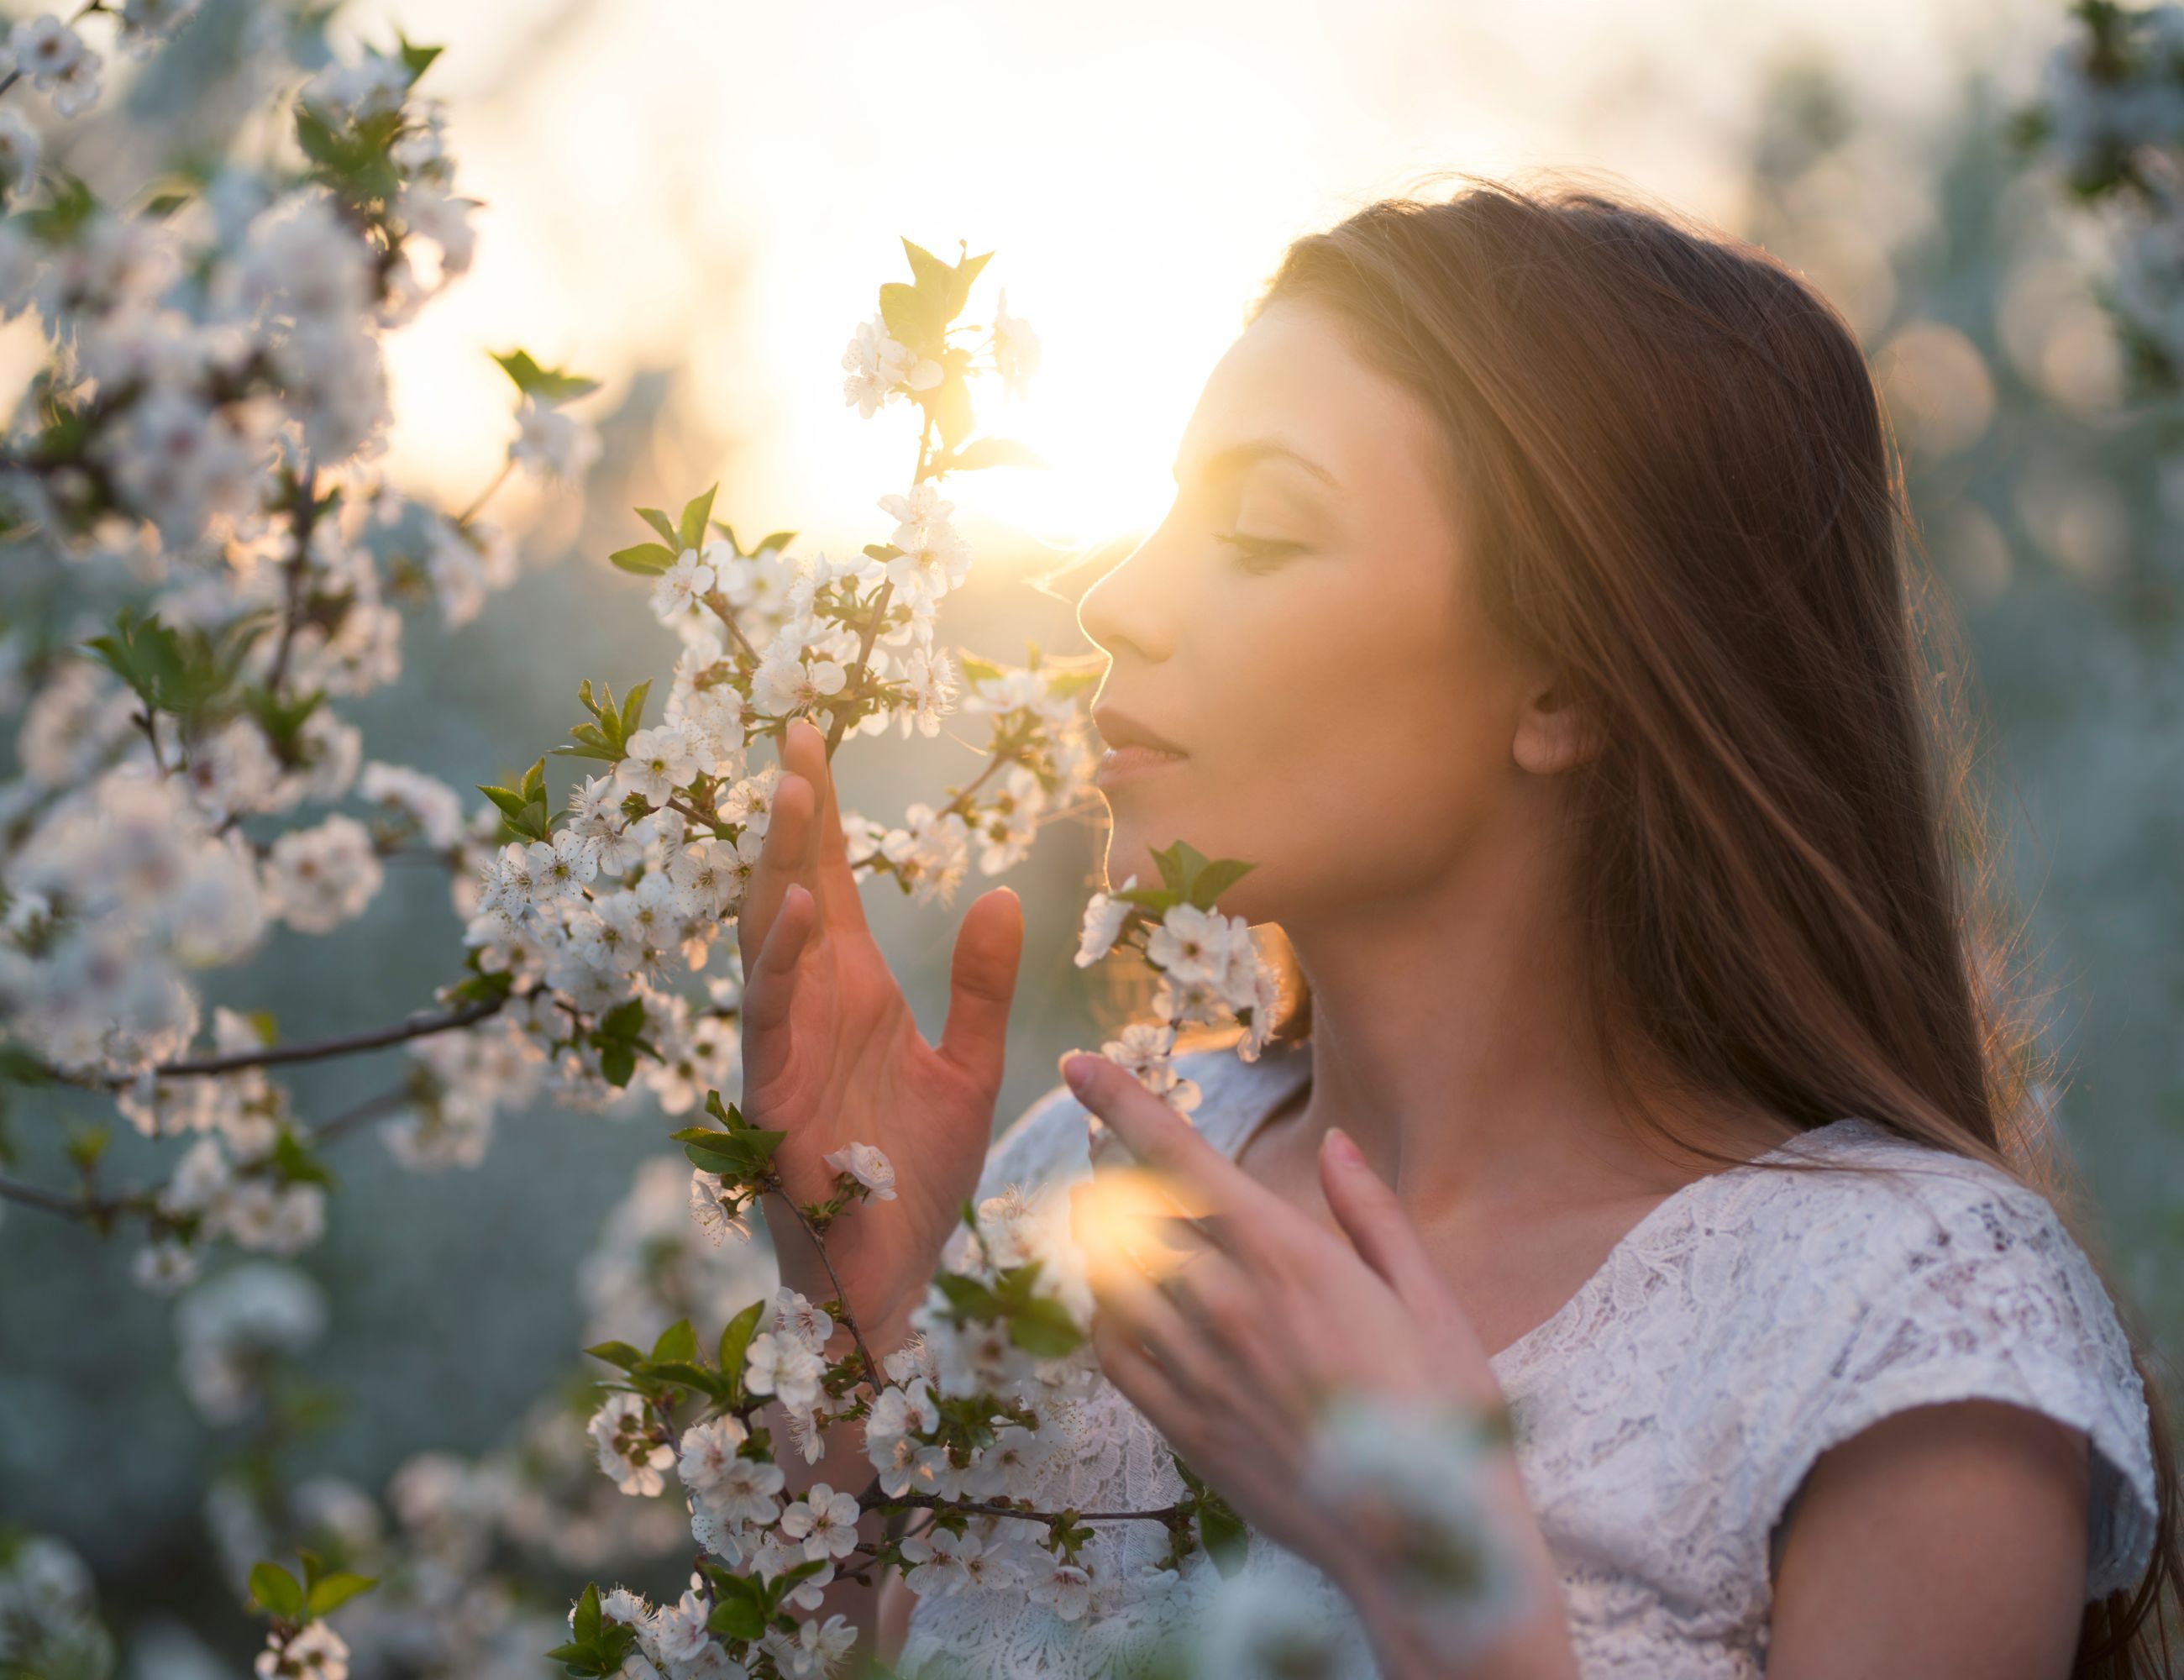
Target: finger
[(782, 859), (1203, 1179), (1139, 1377), (769, 989), (1377, 1224), (803, 751), (1195, 1375), (982, 982), (1193, 1365)]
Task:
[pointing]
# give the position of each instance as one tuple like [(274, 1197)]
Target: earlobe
[(1555, 734)]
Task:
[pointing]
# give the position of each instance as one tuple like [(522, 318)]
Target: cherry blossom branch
[(1168, 1514), (103, 1210), (314, 1049)]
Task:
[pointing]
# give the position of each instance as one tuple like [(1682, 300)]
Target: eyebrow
[(1225, 463)]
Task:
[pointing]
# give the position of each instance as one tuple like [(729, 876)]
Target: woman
[(1532, 613)]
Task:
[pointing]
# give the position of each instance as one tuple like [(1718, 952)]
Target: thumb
[(1378, 1227), (982, 981)]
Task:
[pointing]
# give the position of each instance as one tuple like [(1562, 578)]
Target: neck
[(1449, 1039)]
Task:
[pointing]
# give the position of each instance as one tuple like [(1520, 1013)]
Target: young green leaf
[(695, 513), (274, 1591)]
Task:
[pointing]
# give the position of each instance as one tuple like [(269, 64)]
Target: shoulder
[(1047, 1142), (1922, 1276)]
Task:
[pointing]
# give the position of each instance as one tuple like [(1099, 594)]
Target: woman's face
[(1299, 626)]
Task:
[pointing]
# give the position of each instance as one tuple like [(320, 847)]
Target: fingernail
[(1344, 1147), (1078, 1069)]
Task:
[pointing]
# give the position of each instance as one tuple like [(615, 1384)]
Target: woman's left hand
[(1230, 1348)]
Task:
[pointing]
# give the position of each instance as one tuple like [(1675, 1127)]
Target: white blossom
[(868, 1166)]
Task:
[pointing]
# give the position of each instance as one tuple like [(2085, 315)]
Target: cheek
[(1341, 739)]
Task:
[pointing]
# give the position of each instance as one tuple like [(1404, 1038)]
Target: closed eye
[(1259, 553)]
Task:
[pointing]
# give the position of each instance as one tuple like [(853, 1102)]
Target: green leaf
[(659, 522), (618, 1064), (632, 710), (736, 1338), (677, 1342), (969, 1296), (534, 783), (1226, 1539), (616, 1353), (548, 386), (959, 289), (274, 1591), (1043, 1329), (695, 512), (510, 802), (1155, 900), (295, 1165), (684, 1371), (646, 560), (414, 58), (933, 276), (1072, 683), (737, 1618), (775, 540), (1216, 878), (908, 317), (585, 1624), (329, 1592), (70, 206)]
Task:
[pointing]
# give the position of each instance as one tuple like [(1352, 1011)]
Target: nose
[(1128, 610)]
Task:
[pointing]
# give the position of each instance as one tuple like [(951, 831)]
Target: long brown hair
[(1676, 483)]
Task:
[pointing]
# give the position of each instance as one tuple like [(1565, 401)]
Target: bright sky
[(673, 183)]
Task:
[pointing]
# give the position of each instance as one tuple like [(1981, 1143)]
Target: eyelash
[(1259, 553)]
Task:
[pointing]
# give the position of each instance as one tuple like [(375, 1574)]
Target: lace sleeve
[(1980, 1294)]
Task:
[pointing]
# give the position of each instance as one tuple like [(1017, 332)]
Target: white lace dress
[(1665, 1414)]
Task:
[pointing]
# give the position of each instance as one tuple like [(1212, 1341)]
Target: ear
[(1555, 732)]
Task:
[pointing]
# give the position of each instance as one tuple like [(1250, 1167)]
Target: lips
[(1120, 729)]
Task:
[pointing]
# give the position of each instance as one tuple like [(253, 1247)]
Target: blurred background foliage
[(1871, 152)]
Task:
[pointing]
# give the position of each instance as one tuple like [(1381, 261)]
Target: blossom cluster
[(967, 1413), (49, 1621), (201, 445), (2110, 119), (1212, 969)]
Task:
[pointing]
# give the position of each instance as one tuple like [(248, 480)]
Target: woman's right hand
[(832, 1055)]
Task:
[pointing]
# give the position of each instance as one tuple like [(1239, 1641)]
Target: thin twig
[(848, 1318), (871, 630), (486, 495), (726, 615), (68, 1207), (306, 516), (390, 1101)]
